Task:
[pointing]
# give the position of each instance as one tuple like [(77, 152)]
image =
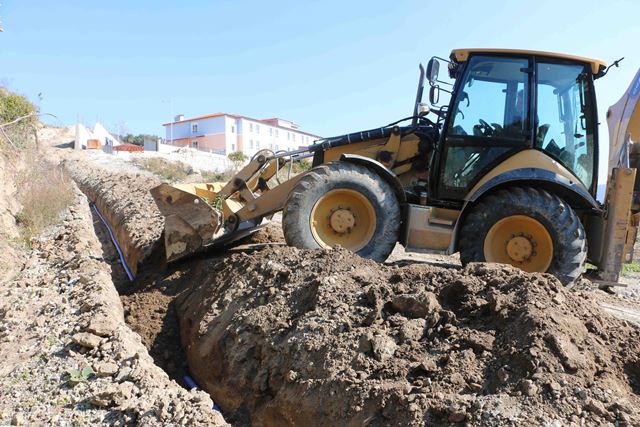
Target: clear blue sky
[(331, 66)]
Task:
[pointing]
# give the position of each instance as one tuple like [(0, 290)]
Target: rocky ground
[(279, 336), (68, 356)]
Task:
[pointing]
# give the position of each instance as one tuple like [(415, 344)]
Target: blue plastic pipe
[(115, 242), (190, 382)]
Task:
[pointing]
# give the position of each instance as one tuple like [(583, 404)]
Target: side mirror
[(433, 68), (434, 95), (423, 109)]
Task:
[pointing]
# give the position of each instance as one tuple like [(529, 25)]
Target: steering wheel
[(486, 128)]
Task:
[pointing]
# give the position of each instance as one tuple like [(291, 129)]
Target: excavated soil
[(291, 337), (124, 200)]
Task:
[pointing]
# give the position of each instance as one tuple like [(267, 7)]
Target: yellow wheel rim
[(343, 217), (521, 241)]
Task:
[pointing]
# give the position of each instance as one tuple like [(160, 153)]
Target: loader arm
[(199, 215)]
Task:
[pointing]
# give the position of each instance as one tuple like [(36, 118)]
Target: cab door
[(489, 121)]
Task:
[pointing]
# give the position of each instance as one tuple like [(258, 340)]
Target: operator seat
[(542, 134)]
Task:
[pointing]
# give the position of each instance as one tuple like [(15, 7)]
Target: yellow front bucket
[(191, 220)]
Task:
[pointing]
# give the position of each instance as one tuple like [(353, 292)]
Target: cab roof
[(597, 66)]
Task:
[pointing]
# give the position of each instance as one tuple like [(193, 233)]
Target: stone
[(412, 330), (105, 369), (102, 325), (529, 388), (123, 374), (554, 386), (416, 306), (457, 415), (86, 339), (383, 347), (291, 376)]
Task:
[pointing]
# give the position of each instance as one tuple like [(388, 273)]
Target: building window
[(233, 147), (276, 147), (276, 132), (294, 136), (251, 143), (250, 127), (194, 127), (257, 128), (233, 129), (288, 136), (194, 143), (270, 131), (257, 145), (270, 146)]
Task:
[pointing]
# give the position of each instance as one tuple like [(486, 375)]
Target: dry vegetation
[(172, 171), (44, 192), (42, 189)]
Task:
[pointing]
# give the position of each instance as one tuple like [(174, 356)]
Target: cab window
[(493, 100), (564, 125)]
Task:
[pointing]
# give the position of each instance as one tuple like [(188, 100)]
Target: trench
[(148, 302)]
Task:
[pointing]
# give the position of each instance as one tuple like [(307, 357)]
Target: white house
[(223, 133)]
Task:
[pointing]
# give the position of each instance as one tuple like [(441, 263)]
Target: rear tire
[(340, 203), (497, 218)]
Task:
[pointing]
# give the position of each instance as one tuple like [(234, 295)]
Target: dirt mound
[(124, 200), (271, 233), (290, 337)]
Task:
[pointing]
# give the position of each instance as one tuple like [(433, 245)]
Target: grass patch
[(172, 171), (632, 267), (44, 192)]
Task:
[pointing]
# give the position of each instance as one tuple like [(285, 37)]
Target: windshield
[(565, 129)]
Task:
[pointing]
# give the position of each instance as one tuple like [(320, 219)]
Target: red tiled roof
[(236, 116), (128, 147)]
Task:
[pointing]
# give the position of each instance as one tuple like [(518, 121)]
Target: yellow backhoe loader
[(504, 171)]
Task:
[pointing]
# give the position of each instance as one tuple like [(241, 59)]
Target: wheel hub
[(343, 217), (521, 241), (520, 248), (342, 220)]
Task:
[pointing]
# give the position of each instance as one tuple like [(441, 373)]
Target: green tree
[(138, 139), (237, 158)]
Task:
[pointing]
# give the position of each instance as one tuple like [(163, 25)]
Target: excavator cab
[(505, 172)]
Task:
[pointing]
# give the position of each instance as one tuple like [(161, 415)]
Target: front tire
[(340, 203), (528, 228)]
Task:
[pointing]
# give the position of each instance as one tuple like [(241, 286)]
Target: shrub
[(12, 107), (237, 158), (301, 166)]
